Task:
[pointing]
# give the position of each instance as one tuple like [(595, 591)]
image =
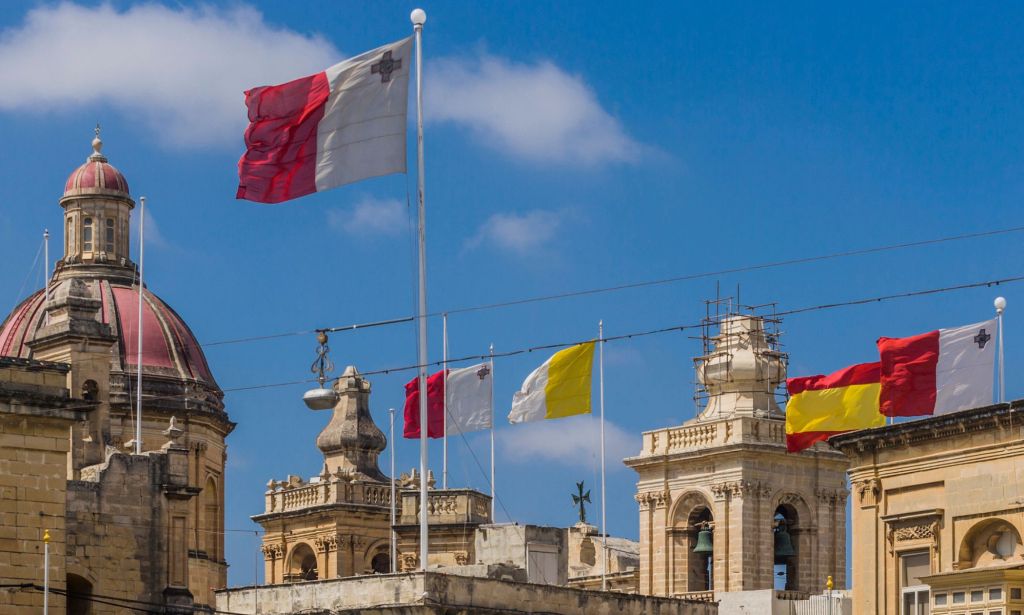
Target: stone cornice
[(928, 429)]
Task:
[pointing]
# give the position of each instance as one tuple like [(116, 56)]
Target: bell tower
[(723, 506)]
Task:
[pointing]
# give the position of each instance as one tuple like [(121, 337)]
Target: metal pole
[(46, 572), (493, 492), (46, 272), (604, 524), (419, 17), (391, 443), (1000, 304), (138, 357), (444, 404)]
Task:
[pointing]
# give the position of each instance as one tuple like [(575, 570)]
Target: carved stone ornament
[(914, 532), (272, 551), (868, 490), (410, 562), (461, 558), (741, 489), (326, 543)]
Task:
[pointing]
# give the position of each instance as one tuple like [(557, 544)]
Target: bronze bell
[(705, 545), (783, 544)]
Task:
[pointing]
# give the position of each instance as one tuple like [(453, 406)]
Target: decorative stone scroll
[(653, 499), (868, 491), (741, 489)]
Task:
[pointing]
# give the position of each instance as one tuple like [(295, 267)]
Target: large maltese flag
[(937, 372), (333, 128)]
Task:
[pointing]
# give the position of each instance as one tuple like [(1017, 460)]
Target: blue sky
[(569, 146)]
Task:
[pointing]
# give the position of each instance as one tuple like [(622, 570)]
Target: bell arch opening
[(785, 556), (302, 565), (693, 542)]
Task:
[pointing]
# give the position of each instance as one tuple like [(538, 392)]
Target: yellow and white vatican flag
[(558, 388)]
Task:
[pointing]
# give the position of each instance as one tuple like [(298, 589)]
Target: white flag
[(468, 393)]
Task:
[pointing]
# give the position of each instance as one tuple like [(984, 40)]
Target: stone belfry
[(724, 480)]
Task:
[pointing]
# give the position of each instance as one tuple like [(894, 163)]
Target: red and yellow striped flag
[(821, 406)]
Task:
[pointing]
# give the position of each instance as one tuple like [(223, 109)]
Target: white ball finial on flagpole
[(1000, 304), (418, 17)]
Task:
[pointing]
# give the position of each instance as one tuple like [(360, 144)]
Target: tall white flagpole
[(444, 404), (418, 18), (493, 492), (46, 572), (46, 272), (1000, 305), (138, 357), (391, 445), (604, 524)]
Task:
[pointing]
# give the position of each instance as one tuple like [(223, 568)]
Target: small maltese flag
[(333, 128)]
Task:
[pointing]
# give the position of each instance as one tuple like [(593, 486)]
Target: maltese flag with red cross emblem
[(333, 128)]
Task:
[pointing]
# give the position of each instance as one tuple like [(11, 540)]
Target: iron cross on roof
[(982, 338), (385, 67), (482, 372), (578, 500)]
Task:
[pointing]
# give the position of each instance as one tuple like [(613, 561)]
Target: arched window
[(302, 564), (90, 391), (79, 599), (87, 235), (701, 569), (109, 238), (991, 542), (210, 532), (692, 544)]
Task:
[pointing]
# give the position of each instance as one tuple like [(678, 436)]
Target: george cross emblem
[(482, 372), (982, 338), (385, 67)]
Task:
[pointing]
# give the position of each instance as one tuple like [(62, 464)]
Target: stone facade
[(168, 501), (435, 593), (728, 470), (36, 414), (938, 512), (587, 565), (336, 524)]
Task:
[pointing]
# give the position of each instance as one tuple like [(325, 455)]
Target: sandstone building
[(938, 514), (143, 527), (727, 471)]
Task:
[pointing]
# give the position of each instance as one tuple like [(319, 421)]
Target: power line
[(640, 284)]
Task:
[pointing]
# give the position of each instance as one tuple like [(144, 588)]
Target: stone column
[(646, 504)]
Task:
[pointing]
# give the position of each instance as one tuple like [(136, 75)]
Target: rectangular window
[(1015, 593), (110, 235), (977, 595), (959, 597), (940, 599), (996, 593), (87, 235), (913, 566)]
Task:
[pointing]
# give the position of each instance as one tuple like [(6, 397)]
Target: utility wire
[(624, 336), (640, 284)]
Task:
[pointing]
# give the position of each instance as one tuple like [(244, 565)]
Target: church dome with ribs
[(96, 176), (94, 296), (169, 349)]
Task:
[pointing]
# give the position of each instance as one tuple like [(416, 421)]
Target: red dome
[(96, 176), (168, 347)]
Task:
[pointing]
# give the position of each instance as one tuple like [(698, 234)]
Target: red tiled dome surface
[(168, 346), (94, 176)]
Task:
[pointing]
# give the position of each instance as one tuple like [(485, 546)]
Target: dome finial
[(97, 143)]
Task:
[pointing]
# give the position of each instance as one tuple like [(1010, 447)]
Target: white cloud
[(154, 238), (371, 216), (518, 233), (181, 70), (572, 441), (534, 111)]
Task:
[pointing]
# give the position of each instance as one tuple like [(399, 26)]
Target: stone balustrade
[(699, 436), (296, 494), (447, 506)]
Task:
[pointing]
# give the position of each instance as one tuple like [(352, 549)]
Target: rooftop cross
[(578, 500)]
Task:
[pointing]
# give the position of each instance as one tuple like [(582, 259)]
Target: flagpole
[(391, 443), (492, 434), (418, 18), (46, 273), (1000, 305), (604, 525), (444, 402), (138, 356), (46, 572)]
